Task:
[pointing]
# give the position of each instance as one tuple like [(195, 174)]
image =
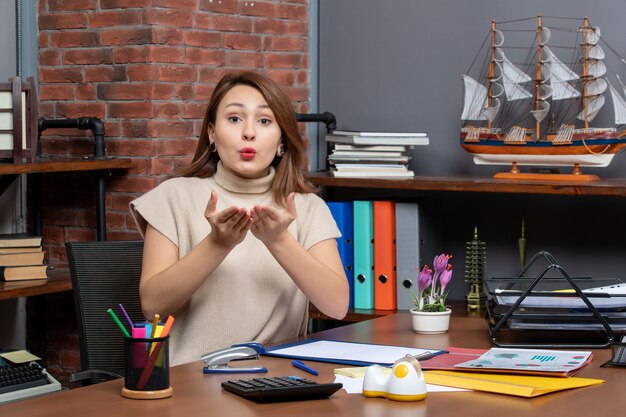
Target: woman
[(237, 246)]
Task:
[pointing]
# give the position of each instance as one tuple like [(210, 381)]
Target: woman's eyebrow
[(235, 104)]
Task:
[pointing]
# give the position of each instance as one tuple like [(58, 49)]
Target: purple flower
[(445, 278), (424, 278), (440, 263), (432, 285)]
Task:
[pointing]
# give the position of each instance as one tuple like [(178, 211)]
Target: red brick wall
[(147, 69)]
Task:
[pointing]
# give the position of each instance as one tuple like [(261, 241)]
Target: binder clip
[(404, 383), (218, 362)]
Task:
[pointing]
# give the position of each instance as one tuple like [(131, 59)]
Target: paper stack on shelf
[(372, 154)]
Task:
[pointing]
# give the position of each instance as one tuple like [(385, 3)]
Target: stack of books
[(21, 257), (372, 154)]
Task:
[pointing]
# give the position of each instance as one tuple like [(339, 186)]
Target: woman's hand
[(229, 226), (269, 223)]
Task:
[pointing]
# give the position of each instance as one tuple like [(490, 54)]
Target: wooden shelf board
[(64, 165), (604, 187), (58, 281)]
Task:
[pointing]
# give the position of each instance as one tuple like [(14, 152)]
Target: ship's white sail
[(593, 35), (595, 86), (542, 112), (475, 102), (562, 90), (557, 68), (512, 77), (619, 80), (560, 75), (596, 69), (619, 106), (593, 107), (596, 52)]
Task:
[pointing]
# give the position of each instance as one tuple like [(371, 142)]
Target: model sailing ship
[(540, 112)]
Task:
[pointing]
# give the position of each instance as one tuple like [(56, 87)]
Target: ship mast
[(492, 70), (538, 75), (586, 71)]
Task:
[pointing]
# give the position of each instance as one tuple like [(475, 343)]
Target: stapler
[(218, 362)]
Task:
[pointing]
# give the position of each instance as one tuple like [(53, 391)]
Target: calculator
[(281, 388)]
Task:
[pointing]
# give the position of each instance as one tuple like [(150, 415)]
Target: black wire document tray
[(565, 312)]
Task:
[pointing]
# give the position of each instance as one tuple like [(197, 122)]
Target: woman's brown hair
[(288, 167)]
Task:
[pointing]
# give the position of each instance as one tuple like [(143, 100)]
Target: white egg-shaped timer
[(404, 383)]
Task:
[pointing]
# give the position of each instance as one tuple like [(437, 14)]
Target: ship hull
[(587, 153)]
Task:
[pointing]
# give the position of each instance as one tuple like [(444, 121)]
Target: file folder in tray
[(554, 312)]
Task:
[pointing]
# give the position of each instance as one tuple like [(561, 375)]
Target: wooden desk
[(196, 394), (8, 173)]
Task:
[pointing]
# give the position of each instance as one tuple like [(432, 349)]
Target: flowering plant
[(432, 286)]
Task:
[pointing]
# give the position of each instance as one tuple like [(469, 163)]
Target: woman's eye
[(265, 121), (234, 119)]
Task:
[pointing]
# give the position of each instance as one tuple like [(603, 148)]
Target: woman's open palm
[(269, 223), (229, 226)]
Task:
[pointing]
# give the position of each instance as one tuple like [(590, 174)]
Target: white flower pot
[(426, 322)]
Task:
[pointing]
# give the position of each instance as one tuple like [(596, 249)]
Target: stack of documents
[(529, 361), (553, 305), (507, 374), (372, 154), (604, 297), (518, 385)]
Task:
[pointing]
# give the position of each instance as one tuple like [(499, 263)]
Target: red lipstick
[(247, 153)]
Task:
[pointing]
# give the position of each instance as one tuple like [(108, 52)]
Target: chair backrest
[(104, 274)]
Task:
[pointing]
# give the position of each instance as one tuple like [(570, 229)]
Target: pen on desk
[(130, 322), (424, 356), (301, 365), (117, 321)]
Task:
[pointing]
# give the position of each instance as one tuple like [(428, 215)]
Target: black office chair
[(104, 274)]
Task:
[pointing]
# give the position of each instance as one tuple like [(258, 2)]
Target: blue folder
[(342, 213)]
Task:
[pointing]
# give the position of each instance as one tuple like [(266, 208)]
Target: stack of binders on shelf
[(367, 249), (380, 251), (372, 154), (563, 311)]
